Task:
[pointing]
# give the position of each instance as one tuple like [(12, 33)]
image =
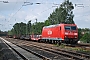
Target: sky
[(16, 11)]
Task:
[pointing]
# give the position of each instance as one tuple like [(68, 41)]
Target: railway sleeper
[(75, 53), (65, 54), (60, 53)]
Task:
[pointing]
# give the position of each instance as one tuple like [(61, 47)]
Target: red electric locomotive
[(67, 33)]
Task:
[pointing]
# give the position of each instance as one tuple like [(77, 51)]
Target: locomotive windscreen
[(70, 27)]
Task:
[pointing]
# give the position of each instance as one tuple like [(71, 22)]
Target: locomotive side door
[(60, 32)]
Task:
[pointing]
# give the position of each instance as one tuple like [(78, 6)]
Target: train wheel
[(75, 42), (39, 41), (59, 43), (49, 41), (45, 41), (53, 41)]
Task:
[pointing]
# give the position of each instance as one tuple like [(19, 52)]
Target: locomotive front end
[(71, 34)]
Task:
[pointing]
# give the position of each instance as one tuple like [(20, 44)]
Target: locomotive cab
[(71, 33)]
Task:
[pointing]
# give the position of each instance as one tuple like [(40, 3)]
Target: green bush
[(86, 38)]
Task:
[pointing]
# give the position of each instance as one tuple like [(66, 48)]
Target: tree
[(22, 28), (67, 13), (63, 14), (10, 32), (46, 23), (37, 28), (79, 33), (19, 28), (29, 27), (86, 38)]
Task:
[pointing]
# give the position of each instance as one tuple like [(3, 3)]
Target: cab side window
[(60, 27)]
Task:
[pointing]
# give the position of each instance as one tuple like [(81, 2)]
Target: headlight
[(75, 33), (66, 33)]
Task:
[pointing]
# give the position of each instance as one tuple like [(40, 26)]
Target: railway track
[(57, 49), (53, 53), (23, 54), (79, 45), (85, 46), (48, 55)]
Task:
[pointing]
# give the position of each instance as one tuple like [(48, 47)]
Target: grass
[(61, 46), (73, 48), (76, 49)]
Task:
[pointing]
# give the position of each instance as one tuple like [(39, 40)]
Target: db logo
[(49, 32)]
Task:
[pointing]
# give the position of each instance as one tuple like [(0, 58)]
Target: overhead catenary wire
[(10, 17), (15, 5), (25, 4), (42, 3), (29, 4), (41, 12), (17, 11)]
